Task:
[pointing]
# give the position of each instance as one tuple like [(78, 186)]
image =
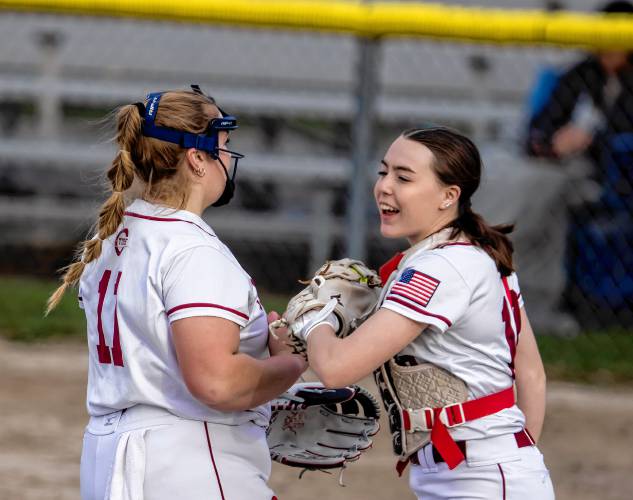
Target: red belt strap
[(456, 414)]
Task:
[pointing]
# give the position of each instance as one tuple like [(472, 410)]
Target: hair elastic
[(141, 108)]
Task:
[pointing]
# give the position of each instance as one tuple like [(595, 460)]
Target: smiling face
[(412, 201)]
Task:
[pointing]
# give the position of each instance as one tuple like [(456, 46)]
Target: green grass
[(594, 357), (23, 300), (598, 357), (22, 304)]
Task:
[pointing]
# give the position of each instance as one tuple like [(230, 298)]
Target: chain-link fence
[(299, 96)]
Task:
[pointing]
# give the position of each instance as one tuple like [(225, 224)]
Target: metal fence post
[(362, 147), (49, 102), (322, 224)]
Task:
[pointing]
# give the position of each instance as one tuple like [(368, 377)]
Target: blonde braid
[(156, 163), (72, 273), (121, 176)]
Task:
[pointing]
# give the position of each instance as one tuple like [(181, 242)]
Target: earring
[(200, 172), (446, 205)]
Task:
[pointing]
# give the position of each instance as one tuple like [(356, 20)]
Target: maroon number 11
[(507, 315), (107, 355)]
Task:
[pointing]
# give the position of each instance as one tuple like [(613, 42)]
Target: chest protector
[(415, 394), (410, 394)]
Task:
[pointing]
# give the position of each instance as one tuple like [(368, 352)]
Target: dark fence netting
[(555, 128)]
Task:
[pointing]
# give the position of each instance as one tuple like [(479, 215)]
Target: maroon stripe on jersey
[(457, 243), (503, 481), (204, 304), (166, 219), (215, 468), (417, 309)]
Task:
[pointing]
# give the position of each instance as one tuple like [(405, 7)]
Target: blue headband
[(208, 141)]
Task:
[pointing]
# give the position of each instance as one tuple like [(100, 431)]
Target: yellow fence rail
[(380, 19)]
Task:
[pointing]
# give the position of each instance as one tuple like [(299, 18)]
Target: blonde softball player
[(452, 300), (180, 363)]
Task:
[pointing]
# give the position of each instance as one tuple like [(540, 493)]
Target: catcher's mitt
[(315, 428), (345, 287)]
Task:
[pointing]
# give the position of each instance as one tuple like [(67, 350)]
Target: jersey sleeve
[(203, 282), (429, 291)]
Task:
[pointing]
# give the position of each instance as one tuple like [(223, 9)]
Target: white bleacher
[(49, 62), (52, 215), (106, 62)]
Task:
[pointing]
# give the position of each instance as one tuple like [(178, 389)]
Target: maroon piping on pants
[(217, 476), (503, 481)]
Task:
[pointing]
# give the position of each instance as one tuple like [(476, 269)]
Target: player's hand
[(278, 343), (570, 140)]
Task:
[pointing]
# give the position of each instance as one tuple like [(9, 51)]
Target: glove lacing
[(340, 474)]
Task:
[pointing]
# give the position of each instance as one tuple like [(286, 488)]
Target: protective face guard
[(205, 142)]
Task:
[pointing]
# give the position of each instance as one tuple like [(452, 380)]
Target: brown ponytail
[(457, 162), (492, 239), (155, 163)]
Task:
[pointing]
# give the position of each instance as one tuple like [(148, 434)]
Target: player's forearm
[(246, 382), (330, 356), (340, 362), (327, 358), (530, 378), (270, 377), (531, 399)]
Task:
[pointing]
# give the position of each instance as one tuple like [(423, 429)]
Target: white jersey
[(162, 265), (456, 289)]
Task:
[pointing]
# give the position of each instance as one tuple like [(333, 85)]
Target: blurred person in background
[(452, 300), (180, 363), (592, 100), (586, 113)]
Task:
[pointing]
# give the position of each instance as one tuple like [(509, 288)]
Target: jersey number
[(511, 336), (107, 355)]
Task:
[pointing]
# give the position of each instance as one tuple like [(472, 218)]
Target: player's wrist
[(307, 322), (331, 321), (301, 363)]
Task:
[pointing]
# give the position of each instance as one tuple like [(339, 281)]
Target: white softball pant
[(494, 469), (146, 453)]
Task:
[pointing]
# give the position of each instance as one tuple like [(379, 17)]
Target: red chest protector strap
[(438, 420), (389, 267)]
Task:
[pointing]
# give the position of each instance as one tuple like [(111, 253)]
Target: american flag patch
[(415, 286)]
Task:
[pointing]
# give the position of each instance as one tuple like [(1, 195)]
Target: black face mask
[(229, 187)]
